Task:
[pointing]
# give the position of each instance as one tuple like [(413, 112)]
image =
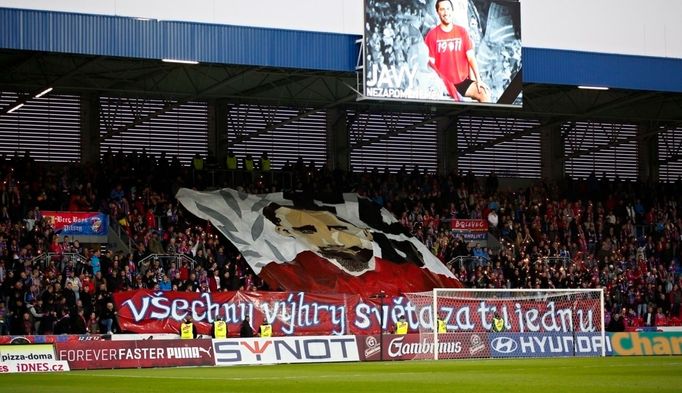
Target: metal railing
[(468, 261), (79, 261), (165, 260), (557, 261), (221, 177), (122, 234)]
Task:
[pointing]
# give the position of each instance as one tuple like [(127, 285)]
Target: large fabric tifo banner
[(78, 223), (350, 247), (299, 313)]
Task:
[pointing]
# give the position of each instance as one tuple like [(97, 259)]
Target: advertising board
[(30, 358), (420, 346), (647, 343), (550, 344), (275, 350), (135, 354)]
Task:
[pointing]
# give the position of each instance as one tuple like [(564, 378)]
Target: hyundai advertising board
[(550, 344)]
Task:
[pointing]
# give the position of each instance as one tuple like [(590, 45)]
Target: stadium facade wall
[(629, 27), (565, 67), (114, 36), (617, 54)]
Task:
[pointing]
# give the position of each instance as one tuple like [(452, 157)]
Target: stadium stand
[(624, 237), (115, 113)]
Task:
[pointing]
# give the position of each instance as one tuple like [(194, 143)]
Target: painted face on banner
[(326, 233), (353, 236)]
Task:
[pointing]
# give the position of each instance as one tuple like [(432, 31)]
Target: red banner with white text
[(470, 229), (288, 313), (301, 313), (78, 223)]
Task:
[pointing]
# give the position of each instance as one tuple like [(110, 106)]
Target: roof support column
[(552, 153), (90, 142), (647, 153), (217, 130), (446, 129), (338, 142)]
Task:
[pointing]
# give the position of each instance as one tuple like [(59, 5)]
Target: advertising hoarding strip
[(277, 350), (50, 339), (135, 354), (646, 343), (30, 358), (419, 346)]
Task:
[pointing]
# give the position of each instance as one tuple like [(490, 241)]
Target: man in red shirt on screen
[(451, 55)]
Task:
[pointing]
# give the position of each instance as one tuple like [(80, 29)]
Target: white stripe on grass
[(91, 373), (290, 377)]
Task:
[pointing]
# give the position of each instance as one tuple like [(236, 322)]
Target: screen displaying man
[(452, 56)]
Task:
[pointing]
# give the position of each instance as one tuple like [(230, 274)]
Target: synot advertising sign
[(135, 354), (32, 358), (276, 350)]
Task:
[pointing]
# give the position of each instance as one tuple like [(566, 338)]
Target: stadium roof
[(58, 57), (31, 72)]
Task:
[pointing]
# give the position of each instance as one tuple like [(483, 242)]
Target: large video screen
[(456, 51)]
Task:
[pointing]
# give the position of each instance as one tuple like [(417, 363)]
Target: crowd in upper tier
[(622, 236)]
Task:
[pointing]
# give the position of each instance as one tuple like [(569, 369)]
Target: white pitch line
[(344, 375), (341, 375)]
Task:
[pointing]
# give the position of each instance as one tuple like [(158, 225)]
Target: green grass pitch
[(583, 375)]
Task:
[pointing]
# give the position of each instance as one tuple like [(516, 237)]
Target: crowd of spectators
[(622, 236), (51, 284), (591, 233)]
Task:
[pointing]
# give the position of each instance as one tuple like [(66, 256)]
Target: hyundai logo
[(504, 345)]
